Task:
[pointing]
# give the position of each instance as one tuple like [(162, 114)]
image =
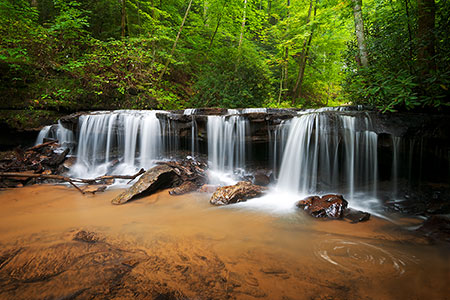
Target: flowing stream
[(329, 150)]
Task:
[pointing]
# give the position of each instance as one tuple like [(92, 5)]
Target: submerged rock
[(158, 177), (329, 206), (240, 192), (356, 216), (208, 188), (86, 236), (184, 188), (436, 227)]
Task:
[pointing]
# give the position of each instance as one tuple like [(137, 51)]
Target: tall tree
[(244, 18), (296, 92), (359, 31), (176, 40), (425, 34), (123, 23)]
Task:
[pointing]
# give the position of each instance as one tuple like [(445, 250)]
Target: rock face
[(184, 188), (240, 192), (156, 178), (329, 206)]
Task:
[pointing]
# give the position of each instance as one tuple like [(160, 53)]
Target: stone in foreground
[(156, 178), (356, 216), (329, 206), (240, 192), (184, 188)]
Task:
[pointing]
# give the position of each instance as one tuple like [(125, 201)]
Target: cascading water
[(329, 153), (58, 132), (226, 144), (44, 133), (130, 138), (314, 152)]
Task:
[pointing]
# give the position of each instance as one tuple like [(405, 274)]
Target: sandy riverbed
[(58, 244)]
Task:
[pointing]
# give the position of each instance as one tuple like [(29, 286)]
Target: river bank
[(57, 243)]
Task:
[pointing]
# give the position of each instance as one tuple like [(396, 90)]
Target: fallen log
[(42, 145), (45, 176), (72, 181)]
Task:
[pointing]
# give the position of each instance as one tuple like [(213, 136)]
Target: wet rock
[(261, 179), (86, 236), (208, 188), (329, 206), (69, 162), (240, 192), (159, 177), (184, 188), (436, 227), (356, 216), (95, 188)]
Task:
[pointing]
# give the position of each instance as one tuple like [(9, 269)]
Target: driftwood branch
[(72, 181), (42, 145)]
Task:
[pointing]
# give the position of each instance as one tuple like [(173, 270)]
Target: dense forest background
[(60, 56)]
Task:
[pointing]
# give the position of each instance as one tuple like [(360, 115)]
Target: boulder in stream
[(159, 177), (184, 188), (328, 206), (240, 192), (356, 216)]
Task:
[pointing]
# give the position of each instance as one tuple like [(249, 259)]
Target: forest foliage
[(67, 55)]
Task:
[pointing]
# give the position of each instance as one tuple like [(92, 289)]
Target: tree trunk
[(286, 50), (217, 26), (303, 56), (176, 41), (425, 35), (409, 31), (359, 31), (123, 23), (243, 25)]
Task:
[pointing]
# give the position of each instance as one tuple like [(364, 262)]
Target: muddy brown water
[(58, 244)]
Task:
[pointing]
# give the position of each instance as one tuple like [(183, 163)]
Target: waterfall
[(58, 132), (226, 143), (131, 138), (277, 142), (329, 150), (189, 111), (395, 163), (330, 153), (44, 133)]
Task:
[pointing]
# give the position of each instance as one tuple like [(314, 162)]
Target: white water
[(326, 154), (120, 142), (64, 136), (226, 146), (44, 133), (316, 152)]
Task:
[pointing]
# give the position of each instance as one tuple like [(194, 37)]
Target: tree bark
[(425, 35), (409, 30), (286, 50), (123, 22), (176, 41), (243, 25), (303, 55), (217, 26), (359, 31)]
